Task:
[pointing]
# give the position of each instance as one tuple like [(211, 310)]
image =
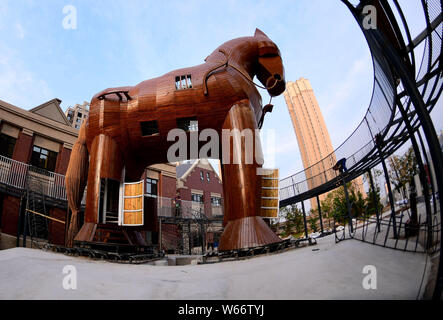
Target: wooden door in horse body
[(133, 204)]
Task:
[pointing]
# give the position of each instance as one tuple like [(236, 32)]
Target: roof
[(51, 110), (183, 170), (37, 120)]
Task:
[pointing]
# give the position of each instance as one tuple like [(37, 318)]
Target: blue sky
[(120, 43)]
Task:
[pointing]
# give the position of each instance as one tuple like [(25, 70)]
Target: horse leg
[(244, 228), (106, 161)]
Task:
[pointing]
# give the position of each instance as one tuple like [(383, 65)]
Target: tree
[(294, 220), (335, 205), (373, 199), (403, 170), (313, 221)]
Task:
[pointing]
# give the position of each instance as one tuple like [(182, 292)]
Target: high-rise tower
[(312, 135), (310, 128)]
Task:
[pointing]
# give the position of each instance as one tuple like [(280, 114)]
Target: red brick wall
[(170, 236), (23, 148), (62, 160), (150, 214), (11, 207), (168, 187), (56, 229)]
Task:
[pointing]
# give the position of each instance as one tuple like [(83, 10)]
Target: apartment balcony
[(166, 208), (217, 211), (16, 177)]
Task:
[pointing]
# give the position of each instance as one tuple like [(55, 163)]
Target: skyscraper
[(310, 128), (312, 134)]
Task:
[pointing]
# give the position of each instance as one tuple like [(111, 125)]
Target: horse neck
[(242, 55)]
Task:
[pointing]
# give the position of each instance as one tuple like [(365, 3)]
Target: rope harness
[(226, 65)]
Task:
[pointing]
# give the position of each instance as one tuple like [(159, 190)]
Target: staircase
[(36, 225), (110, 235), (186, 238)]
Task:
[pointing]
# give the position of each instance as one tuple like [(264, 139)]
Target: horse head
[(270, 71)]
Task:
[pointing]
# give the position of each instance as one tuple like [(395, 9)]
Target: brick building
[(199, 185), (35, 147)]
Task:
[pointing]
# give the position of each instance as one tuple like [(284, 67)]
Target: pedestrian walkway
[(324, 271)]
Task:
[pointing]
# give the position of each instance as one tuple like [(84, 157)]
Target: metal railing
[(166, 207), (19, 175), (382, 116)]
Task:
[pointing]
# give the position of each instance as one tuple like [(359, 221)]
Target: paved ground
[(332, 272)]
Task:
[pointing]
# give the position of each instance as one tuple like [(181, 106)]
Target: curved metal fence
[(382, 117)]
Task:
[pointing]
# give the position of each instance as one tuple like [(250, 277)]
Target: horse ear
[(259, 33)]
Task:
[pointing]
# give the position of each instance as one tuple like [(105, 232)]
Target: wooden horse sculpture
[(127, 131)]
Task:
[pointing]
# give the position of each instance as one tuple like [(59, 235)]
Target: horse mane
[(228, 47)]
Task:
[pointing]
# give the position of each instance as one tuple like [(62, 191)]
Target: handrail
[(19, 175), (380, 117)]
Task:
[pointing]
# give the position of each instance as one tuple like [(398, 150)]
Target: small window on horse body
[(188, 124), (183, 82), (149, 128), (177, 83)]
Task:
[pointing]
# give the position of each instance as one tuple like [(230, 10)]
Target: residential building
[(199, 184), (77, 114), (35, 147)]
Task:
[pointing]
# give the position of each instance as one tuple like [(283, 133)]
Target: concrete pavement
[(334, 271)]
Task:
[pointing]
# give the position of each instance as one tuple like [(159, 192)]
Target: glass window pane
[(177, 83)]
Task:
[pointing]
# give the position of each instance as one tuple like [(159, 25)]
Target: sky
[(119, 43)]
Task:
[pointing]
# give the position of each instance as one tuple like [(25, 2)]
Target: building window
[(188, 124), (149, 128), (216, 201), (197, 198), (183, 82), (79, 114), (151, 188), (77, 126), (202, 178), (207, 176), (43, 158), (7, 145)]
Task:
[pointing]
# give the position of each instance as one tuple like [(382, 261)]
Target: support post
[(25, 227), (189, 238), (319, 214), (304, 219), (374, 198), (348, 205), (160, 234), (19, 226), (422, 175), (391, 197)]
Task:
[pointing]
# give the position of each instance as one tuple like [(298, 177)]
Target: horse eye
[(268, 55)]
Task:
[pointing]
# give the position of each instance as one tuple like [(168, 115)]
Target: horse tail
[(75, 181)]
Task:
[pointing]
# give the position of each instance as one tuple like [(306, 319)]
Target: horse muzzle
[(275, 85)]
